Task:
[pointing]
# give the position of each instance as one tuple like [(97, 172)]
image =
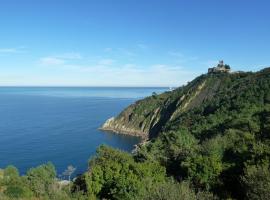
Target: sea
[(60, 124)]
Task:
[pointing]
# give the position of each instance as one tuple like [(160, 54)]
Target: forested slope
[(214, 133)]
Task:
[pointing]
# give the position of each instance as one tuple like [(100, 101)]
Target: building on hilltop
[(220, 68)]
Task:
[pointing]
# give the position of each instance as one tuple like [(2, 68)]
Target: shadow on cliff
[(165, 114)]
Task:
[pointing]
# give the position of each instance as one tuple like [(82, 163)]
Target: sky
[(128, 42)]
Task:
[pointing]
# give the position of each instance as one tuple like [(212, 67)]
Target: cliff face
[(148, 117)]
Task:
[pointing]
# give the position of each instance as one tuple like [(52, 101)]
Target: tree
[(114, 174), (227, 66), (154, 95), (256, 182), (170, 191), (41, 178), (14, 185), (69, 171)]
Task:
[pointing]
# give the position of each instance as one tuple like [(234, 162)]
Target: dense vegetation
[(221, 145), (38, 183), (211, 141)]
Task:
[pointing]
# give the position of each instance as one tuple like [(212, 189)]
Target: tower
[(221, 63)]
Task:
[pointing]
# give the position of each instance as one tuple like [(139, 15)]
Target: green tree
[(15, 186), (170, 190), (115, 175), (41, 178), (256, 182)]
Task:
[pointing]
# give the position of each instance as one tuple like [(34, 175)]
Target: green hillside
[(222, 142), (210, 132)]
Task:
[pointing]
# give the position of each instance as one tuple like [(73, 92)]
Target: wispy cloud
[(60, 59), (104, 71), (52, 61), (106, 62), (12, 50)]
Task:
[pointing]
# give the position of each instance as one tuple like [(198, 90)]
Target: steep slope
[(147, 117), (234, 94)]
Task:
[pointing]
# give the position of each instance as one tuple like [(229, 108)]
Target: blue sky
[(128, 42)]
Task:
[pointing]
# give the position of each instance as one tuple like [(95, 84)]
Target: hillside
[(213, 133), (148, 117)]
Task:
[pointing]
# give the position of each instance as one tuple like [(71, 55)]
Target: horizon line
[(77, 86)]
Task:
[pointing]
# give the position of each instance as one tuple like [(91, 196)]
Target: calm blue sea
[(60, 124)]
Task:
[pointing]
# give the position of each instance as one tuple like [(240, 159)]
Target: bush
[(170, 191)]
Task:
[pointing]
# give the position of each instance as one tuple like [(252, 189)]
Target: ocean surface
[(60, 124)]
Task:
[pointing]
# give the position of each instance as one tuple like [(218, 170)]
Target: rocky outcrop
[(118, 127)]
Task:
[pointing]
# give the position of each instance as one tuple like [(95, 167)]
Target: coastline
[(124, 132), (143, 140)]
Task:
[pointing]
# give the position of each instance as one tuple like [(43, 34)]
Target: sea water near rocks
[(60, 124)]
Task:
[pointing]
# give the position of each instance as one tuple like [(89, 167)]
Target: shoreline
[(124, 132)]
